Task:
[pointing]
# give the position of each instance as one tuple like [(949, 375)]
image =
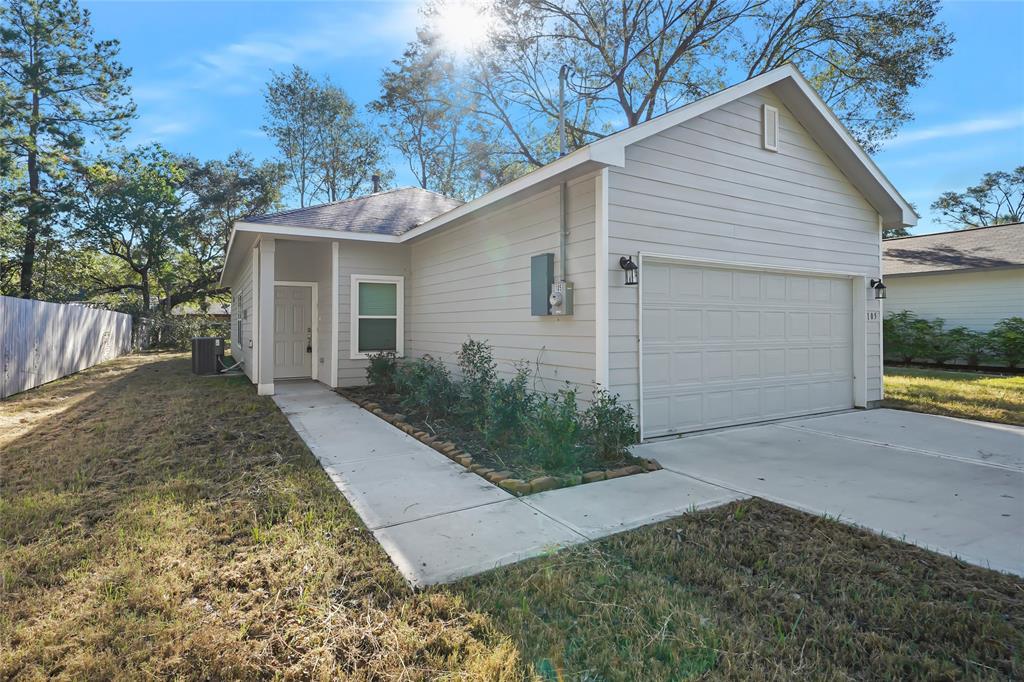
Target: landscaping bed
[(515, 472), (502, 427)]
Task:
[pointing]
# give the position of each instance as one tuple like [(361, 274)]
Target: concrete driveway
[(952, 485)]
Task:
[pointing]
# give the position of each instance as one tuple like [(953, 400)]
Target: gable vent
[(770, 119)]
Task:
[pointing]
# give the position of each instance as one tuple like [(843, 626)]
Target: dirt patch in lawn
[(517, 463)]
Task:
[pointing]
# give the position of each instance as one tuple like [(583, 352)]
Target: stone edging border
[(502, 479)]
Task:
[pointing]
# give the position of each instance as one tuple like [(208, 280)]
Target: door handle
[(309, 340)]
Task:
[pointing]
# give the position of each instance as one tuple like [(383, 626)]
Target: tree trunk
[(32, 218), (145, 292)]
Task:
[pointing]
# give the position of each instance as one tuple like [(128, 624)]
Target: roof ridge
[(955, 231), (289, 211)]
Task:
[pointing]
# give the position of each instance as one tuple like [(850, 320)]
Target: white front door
[(724, 346), (293, 332)]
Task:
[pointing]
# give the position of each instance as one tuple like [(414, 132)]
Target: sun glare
[(464, 25)]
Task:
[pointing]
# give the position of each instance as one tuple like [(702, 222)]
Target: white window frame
[(767, 108), (354, 316)]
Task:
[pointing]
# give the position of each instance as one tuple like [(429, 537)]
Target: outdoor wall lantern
[(631, 268), (879, 288)]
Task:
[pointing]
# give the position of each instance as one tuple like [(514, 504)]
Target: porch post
[(265, 345)]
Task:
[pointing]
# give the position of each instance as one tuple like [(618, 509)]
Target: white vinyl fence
[(41, 341)]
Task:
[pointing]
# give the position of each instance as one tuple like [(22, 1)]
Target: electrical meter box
[(560, 299), (548, 296)]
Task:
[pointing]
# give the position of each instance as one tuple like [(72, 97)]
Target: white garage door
[(723, 347)]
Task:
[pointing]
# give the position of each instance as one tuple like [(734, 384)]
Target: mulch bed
[(514, 471)]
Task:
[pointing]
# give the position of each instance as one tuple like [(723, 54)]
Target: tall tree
[(329, 153), (59, 86), (632, 60), (427, 118), (997, 199), (131, 211), (213, 195), (291, 120)]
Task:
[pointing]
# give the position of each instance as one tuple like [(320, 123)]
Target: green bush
[(426, 386), (554, 431), (1007, 340), (479, 372), (380, 372), (968, 345), (507, 409), (907, 336), (608, 426)]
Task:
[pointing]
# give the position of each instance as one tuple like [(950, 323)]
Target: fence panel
[(41, 341)]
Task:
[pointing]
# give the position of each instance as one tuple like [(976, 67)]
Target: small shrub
[(554, 431), (506, 409), (936, 345), (426, 386), (907, 336), (967, 344), (380, 373), (479, 372), (608, 426), (1007, 340)]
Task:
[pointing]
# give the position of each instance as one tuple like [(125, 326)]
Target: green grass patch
[(970, 395), (157, 524)]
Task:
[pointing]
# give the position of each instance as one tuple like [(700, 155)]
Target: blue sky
[(199, 69)]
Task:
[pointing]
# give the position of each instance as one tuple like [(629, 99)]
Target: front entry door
[(293, 332)]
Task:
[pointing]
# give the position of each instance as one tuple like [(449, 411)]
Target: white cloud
[(973, 126), (342, 32)]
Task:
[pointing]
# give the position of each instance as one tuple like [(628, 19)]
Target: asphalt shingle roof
[(393, 212), (999, 246)]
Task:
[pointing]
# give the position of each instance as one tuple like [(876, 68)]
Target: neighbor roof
[(998, 246), (393, 212)]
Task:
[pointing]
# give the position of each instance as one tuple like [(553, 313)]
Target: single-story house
[(971, 278), (753, 221)]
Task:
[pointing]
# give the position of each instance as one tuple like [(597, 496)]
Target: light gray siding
[(364, 258), (975, 299), (707, 190), (242, 311), (473, 281)]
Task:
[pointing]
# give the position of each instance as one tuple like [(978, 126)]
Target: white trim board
[(314, 324), (353, 313), (601, 278)]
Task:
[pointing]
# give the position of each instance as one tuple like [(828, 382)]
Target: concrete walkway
[(439, 522)]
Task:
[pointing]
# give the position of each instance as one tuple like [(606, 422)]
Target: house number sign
[(872, 316)]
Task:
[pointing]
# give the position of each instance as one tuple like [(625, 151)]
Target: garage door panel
[(724, 347)]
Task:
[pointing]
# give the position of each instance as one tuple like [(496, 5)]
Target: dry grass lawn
[(156, 524), (971, 395)]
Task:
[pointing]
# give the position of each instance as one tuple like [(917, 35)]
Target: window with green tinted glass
[(377, 310)]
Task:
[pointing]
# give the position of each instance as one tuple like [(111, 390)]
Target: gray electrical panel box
[(548, 296), (542, 273)]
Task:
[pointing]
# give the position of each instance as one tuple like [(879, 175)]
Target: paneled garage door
[(723, 347)]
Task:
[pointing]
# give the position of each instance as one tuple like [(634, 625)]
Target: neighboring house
[(971, 278), (753, 215)]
